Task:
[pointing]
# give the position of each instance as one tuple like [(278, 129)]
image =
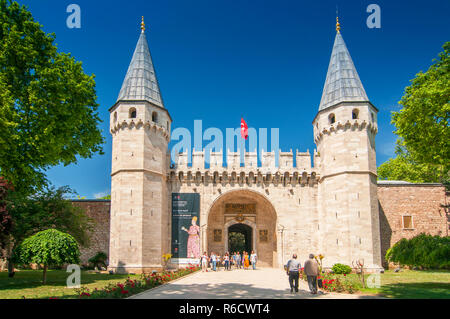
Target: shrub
[(49, 248), (341, 269), (424, 251), (99, 259)]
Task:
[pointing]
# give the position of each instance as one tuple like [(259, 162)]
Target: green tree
[(405, 167), (48, 108), (6, 223), (50, 247), (423, 126), (46, 209)]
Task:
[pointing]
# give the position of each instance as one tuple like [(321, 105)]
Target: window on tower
[(132, 113), (355, 114), (331, 118), (155, 117)]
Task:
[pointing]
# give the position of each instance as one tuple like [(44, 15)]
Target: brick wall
[(98, 210), (421, 201)]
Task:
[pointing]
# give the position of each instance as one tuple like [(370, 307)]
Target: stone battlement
[(138, 124), (247, 172), (247, 162)]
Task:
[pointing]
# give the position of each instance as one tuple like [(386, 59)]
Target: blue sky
[(219, 60)]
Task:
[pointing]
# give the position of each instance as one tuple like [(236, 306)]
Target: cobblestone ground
[(268, 283)]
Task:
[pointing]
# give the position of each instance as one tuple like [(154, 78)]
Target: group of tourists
[(238, 260), (311, 269)]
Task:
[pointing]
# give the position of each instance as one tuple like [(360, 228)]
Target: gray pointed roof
[(140, 83), (342, 83)]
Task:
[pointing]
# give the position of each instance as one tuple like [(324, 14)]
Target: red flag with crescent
[(244, 129)]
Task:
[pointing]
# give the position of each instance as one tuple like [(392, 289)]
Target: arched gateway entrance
[(243, 220)]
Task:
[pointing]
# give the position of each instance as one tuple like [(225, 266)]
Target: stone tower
[(344, 132), (140, 128)]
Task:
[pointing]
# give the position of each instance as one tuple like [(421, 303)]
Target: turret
[(140, 127), (344, 132)]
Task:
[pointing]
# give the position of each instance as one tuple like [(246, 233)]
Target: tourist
[(292, 270), (253, 258), (227, 261), (238, 260), (213, 261), (204, 262), (246, 261), (218, 263), (312, 271)]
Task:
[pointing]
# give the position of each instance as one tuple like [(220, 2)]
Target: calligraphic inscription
[(217, 235), (264, 235), (240, 208)]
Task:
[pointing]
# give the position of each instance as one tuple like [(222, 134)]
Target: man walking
[(312, 271), (292, 270), (213, 261)]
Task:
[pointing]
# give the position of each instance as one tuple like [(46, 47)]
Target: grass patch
[(28, 283), (413, 284)]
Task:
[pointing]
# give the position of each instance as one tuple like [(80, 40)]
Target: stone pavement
[(268, 283)]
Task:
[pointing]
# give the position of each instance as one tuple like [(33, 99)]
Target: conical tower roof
[(342, 83), (140, 83)]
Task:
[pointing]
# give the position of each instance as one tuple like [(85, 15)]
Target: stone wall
[(421, 201), (98, 210)]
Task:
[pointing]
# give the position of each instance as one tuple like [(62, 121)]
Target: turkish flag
[(244, 129)]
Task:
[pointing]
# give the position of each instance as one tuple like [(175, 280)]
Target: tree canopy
[(423, 151), (48, 108), (49, 248), (48, 209)]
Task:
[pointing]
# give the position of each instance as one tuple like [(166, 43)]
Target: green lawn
[(413, 284), (28, 283)]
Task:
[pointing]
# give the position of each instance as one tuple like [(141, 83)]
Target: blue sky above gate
[(266, 61)]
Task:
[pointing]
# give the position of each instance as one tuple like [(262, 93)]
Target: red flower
[(124, 292), (345, 275)]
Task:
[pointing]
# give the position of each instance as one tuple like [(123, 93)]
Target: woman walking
[(204, 260), (246, 261), (227, 261)]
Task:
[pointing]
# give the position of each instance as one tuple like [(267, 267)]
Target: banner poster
[(185, 228)]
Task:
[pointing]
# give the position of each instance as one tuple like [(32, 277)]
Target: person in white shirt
[(204, 261), (213, 261), (253, 258)]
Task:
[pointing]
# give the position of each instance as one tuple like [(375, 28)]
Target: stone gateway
[(330, 207)]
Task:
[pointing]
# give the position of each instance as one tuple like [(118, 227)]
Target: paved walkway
[(268, 283)]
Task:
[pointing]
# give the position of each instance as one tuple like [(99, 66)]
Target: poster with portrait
[(185, 228)]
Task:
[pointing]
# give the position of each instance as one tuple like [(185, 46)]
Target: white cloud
[(101, 194)]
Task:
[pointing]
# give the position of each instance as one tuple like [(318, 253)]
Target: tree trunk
[(44, 280), (10, 268)]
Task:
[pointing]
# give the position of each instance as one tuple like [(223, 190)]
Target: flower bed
[(132, 287), (337, 283), (340, 283)]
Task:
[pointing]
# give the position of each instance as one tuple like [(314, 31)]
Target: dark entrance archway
[(240, 238)]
